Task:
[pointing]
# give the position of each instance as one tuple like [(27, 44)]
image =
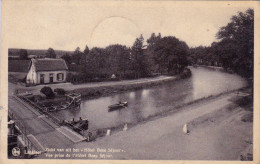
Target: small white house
[(47, 70)]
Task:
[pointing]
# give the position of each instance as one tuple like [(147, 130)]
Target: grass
[(18, 65), (16, 77)]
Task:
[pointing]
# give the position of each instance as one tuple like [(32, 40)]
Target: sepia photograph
[(129, 80)]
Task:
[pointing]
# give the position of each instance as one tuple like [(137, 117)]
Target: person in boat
[(120, 102)]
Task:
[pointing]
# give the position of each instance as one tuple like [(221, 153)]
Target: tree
[(47, 91), (76, 56), (118, 59), (50, 53), (139, 62), (171, 54), (83, 58), (237, 43), (67, 58), (86, 50), (77, 50), (96, 62), (23, 54), (204, 55), (151, 42), (83, 62)]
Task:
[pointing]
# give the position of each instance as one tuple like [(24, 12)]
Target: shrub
[(186, 73), (60, 91), (247, 117), (47, 91), (37, 98)]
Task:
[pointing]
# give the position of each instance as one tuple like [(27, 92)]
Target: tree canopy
[(50, 53), (23, 54), (235, 48), (139, 59), (237, 43), (169, 53)]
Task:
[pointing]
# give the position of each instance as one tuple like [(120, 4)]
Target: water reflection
[(146, 102)]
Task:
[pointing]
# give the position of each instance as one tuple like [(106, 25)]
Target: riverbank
[(119, 87), (211, 67), (148, 104), (96, 89), (101, 132), (93, 89), (218, 131)]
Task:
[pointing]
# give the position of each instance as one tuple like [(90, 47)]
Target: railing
[(23, 131), (40, 109)]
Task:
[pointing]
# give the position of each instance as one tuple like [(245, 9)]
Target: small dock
[(71, 135), (73, 100)]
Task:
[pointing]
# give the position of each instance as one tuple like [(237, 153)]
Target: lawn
[(18, 65), (16, 77)]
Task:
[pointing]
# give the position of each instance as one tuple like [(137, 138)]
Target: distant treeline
[(161, 55), (14, 53)]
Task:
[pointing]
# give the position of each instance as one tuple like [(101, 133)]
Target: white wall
[(47, 76), (31, 76)]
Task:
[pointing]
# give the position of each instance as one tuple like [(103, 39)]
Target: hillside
[(18, 65), (15, 52)]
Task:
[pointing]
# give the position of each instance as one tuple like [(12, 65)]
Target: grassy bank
[(95, 92), (211, 67), (99, 91)]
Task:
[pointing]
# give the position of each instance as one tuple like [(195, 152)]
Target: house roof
[(49, 64)]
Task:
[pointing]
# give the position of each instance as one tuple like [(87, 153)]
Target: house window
[(60, 76)]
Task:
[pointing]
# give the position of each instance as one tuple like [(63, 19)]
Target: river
[(146, 102)]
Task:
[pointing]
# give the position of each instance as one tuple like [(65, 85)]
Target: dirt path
[(163, 138)]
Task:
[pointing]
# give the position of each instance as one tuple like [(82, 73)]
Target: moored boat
[(117, 106)]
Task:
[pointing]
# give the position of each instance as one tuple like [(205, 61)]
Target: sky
[(67, 26)]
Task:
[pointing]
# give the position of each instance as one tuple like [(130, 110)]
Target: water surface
[(145, 102)]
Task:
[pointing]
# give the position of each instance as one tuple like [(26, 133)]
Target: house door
[(51, 77), (42, 78)]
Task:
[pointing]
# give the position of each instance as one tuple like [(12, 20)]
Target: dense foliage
[(23, 54), (170, 54), (47, 91), (60, 91), (50, 53), (235, 49), (161, 55), (237, 43)]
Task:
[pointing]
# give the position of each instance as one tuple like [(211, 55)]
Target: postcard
[(117, 81)]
